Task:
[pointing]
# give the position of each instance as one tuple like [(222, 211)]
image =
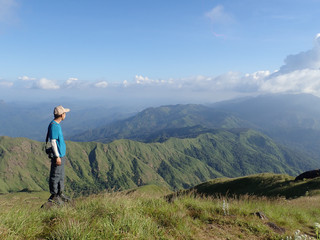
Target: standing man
[(56, 179)]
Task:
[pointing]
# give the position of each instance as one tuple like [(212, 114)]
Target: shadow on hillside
[(261, 185)]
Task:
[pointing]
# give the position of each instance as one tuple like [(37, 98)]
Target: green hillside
[(265, 184), (149, 124), (124, 164)]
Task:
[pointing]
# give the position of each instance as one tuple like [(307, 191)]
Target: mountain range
[(152, 122), (292, 120), (123, 164)]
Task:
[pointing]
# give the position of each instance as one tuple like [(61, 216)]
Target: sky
[(170, 51)]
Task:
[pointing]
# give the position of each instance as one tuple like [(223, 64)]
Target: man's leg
[(54, 178), (61, 182), (61, 175)]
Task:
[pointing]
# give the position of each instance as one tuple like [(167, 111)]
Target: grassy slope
[(265, 184), (146, 216)]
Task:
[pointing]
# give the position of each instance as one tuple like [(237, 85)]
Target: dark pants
[(56, 179)]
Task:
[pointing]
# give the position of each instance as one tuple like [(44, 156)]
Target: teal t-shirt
[(56, 133)]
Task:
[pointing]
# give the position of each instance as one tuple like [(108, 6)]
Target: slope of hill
[(147, 124), (265, 184), (124, 164)]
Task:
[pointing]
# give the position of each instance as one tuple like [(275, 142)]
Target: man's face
[(63, 116)]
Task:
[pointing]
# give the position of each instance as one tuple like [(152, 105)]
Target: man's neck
[(58, 120)]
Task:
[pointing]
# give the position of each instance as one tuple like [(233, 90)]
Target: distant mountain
[(123, 164), (277, 110), (162, 123), (291, 119), (31, 120)]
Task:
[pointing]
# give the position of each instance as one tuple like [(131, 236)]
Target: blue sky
[(192, 50)]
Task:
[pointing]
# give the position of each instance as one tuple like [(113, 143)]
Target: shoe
[(54, 198), (64, 198)]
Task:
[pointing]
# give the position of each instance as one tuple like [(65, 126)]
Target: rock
[(276, 228), (261, 215), (308, 175), (48, 205), (272, 225)]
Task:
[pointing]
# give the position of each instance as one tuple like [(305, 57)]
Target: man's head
[(60, 111)]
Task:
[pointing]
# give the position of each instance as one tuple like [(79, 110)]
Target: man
[(56, 179)]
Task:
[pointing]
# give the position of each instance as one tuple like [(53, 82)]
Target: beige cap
[(59, 110)]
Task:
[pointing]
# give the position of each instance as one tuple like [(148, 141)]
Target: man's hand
[(58, 161)]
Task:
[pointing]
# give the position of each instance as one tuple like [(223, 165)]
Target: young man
[(56, 179)]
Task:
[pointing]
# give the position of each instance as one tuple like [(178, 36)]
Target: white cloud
[(102, 84), (230, 81), (26, 78), (219, 19), (139, 79), (304, 60), (46, 84), (72, 81), (299, 81), (299, 74), (219, 15), (6, 83)]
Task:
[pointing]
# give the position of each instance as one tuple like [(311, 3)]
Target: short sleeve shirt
[(56, 133)]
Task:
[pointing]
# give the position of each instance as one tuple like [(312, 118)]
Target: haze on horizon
[(161, 52)]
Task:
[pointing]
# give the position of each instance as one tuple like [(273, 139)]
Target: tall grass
[(125, 216)]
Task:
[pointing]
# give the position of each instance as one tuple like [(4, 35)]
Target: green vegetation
[(264, 184), (145, 216), (124, 164)]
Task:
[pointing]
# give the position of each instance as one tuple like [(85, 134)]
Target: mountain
[(276, 111), (123, 164), (152, 123), (31, 120), (290, 119)]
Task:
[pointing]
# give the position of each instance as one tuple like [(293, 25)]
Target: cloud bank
[(304, 60)]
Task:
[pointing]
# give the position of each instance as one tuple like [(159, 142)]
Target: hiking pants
[(56, 179)]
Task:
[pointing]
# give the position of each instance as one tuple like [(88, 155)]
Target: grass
[(145, 216)]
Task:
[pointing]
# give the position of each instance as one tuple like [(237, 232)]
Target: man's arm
[(55, 151)]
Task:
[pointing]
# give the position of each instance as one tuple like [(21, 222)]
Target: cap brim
[(66, 110)]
